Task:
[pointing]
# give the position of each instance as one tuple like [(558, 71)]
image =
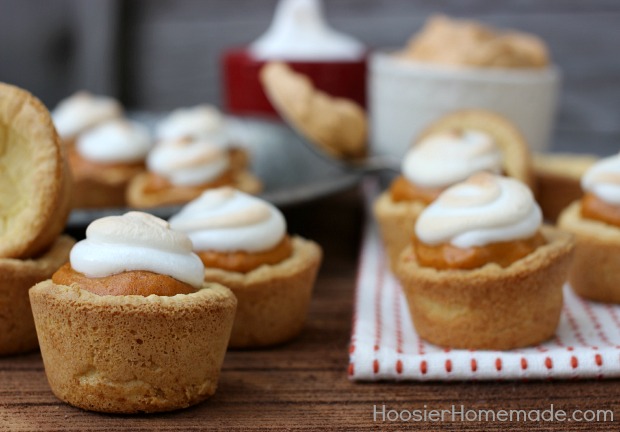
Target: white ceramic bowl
[(406, 96)]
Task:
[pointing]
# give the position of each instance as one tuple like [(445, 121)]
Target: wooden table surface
[(304, 385)]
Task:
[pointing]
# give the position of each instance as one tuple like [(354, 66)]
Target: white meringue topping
[(199, 122), (603, 180), (446, 158), (115, 141), (136, 241), (226, 220), (484, 209), (188, 163), (299, 31), (82, 111)]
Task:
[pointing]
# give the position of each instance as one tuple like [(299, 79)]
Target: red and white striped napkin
[(385, 346)]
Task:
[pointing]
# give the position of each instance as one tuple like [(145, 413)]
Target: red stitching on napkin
[(548, 363), (498, 364), (574, 362), (613, 315), (399, 367), (423, 367), (572, 323), (595, 322), (474, 365), (523, 363), (351, 369), (448, 366), (398, 318), (375, 366), (598, 359)]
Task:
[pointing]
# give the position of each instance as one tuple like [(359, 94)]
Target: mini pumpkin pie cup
[(17, 276), (273, 300), (397, 218), (130, 353), (35, 183), (140, 195), (594, 273), (490, 307)]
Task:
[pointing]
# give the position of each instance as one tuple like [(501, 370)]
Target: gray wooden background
[(161, 54)]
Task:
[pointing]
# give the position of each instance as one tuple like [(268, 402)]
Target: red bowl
[(244, 95)]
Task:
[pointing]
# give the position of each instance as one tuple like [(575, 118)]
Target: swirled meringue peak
[(83, 110), (136, 241), (603, 180), (188, 163), (445, 158), (201, 121), (227, 220), (116, 141), (484, 209)]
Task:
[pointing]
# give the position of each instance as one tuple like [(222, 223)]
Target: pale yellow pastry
[(35, 183), (129, 326), (337, 125), (243, 243), (558, 178), (448, 151), (482, 273), (17, 276), (180, 170), (595, 222), (455, 42)]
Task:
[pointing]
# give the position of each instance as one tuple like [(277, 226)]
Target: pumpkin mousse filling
[(136, 282), (447, 256), (80, 164), (403, 190), (595, 208), (156, 183), (244, 262)]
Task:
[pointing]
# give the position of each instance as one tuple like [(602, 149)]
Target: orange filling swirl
[(449, 257), (136, 282), (402, 190), (593, 207), (243, 262)]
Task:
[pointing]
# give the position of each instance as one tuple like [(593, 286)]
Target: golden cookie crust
[(490, 307), (517, 161), (396, 222), (595, 273), (337, 125), (17, 332), (558, 180), (35, 183), (131, 354), (273, 299)]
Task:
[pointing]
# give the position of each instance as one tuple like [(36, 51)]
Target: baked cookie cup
[(273, 300), (594, 273), (130, 354), (35, 184), (490, 307), (396, 221), (17, 331)]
